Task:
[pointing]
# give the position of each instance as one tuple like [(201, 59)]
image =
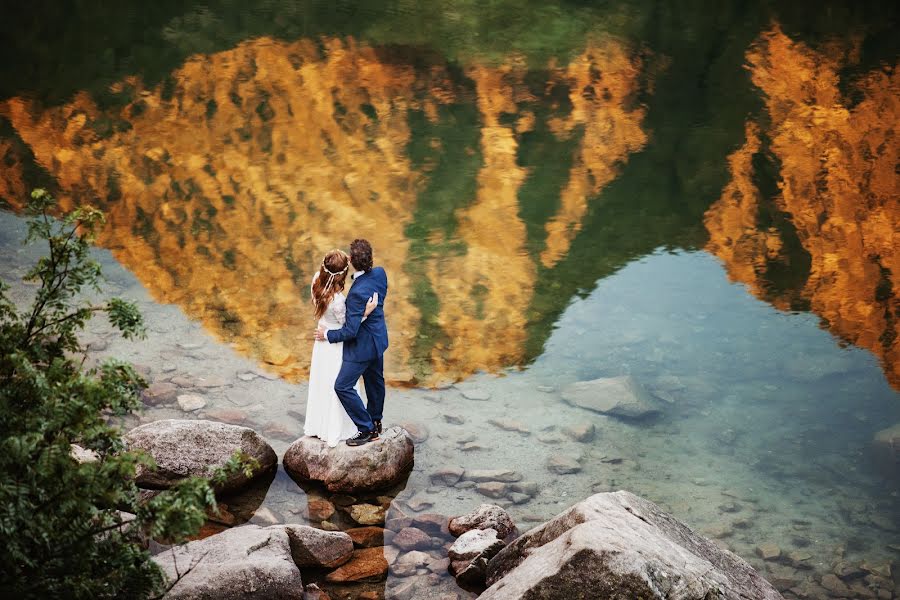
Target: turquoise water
[(704, 199)]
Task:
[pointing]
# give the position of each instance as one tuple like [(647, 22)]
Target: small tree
[(63, 535)]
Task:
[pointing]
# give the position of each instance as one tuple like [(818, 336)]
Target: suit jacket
[(364, 340)]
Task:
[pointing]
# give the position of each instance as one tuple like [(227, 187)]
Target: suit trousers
[(372, 372)]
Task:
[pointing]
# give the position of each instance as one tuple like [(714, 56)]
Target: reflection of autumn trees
[(837, 187), (226, 183)]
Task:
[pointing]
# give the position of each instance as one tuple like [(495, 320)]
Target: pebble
[(547, 389), (447, 475), (248, 376), (562, 464), (768, 551), (168, 368), (454, 419), (581, 433), (492, 489), (265, 516), (320, 509), (191, 402), (417, 431), (160, 392), (519, 498), (472, 447), (367, 514), (232, 416), (730, 507), (412, 538)]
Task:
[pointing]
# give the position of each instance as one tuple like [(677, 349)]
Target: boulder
[(183, 448), (311, 547), (373, 466), (486, 516), (621, 546), (616, 396), (469, 556), (243, 562)]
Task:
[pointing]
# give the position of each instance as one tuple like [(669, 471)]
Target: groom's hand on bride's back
[(319, 334)]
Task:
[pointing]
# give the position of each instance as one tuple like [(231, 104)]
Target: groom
[(364, 344)]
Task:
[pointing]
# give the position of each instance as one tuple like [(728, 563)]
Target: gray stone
[(476, 394), (620, 546), (510, 425), (190, 402), (447, 475), (376, 465), (239, 563), (311, 547), (474, 543), (616, 396), (486, 516), (454, 419), (184, 449), (492, 489), (160, 392), (583, 432), (562, 464)]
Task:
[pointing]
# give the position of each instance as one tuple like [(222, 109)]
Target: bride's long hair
[(331, 280)]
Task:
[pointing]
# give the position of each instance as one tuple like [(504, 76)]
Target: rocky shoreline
[(610, 545)]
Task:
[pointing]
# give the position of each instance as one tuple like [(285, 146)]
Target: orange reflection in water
[(838, 186), (225, 185)]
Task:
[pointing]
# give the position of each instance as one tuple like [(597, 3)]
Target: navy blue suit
[(364, 346)]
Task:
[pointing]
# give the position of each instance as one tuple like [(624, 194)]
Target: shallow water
[(710, 209)]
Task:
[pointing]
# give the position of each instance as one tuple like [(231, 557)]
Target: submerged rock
[(620, 546), (469, 556), (366, 564), (184, 448), (616, 396), (887, 447), (486, 516), (376, 465), (243, 562)]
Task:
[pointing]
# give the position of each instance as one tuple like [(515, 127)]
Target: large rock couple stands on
[(189, 448), (374, 466), (616, 545)]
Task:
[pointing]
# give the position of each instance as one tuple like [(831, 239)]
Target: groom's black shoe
[(362, 437), (377, 427)]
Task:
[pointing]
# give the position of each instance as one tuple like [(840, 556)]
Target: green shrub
[(60, 522)]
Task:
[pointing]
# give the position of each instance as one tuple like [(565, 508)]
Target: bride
[(326, 418)]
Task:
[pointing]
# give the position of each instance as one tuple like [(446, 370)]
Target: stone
[(616, 396), (620, 546), (505, 475), (367, 537), (239, 563), (510, 425), (519, 498), (476, 394), (486, 516), (833, 584), (417, 431), (247, 376), (407, 563), (160, 392), (190, 402), (279, 431), (210, 382), (376, 465), (562, 464), (454, 419), (419, 502), (431, 523), (529, 488), (492, 489), (768, 551), (398, 523), (474, 543), (311, 547), (405, 591), (447, 475), (319, 509), (583, 432), (367, 514), (411, 538), (233, 416), (314, 592), (366, 564), (184, 449), (472, 447)]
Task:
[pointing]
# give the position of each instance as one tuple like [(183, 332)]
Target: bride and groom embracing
[(350, 341)]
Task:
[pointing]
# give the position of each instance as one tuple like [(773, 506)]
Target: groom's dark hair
[(361, 255)]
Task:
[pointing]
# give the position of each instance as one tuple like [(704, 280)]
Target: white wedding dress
[(326, 418)]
